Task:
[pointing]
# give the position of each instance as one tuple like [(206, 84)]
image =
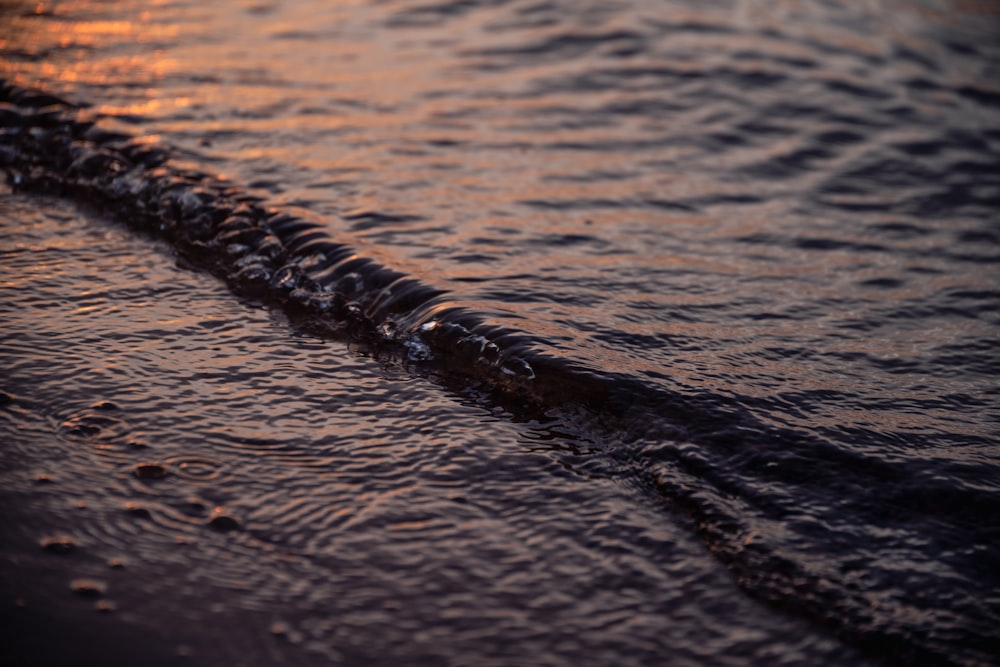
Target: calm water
[(628, 333)]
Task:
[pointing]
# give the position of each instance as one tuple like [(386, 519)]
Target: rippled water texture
[(248, 497), (769, 231)]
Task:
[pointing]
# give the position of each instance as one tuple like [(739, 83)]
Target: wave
[(260, 252), (791, 513)]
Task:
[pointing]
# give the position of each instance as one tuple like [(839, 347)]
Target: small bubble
[(44, 478), (418, 350), (116, 563), (105, 606), (388, 329), (518, 367), (135, 443), (60, 544), (150, 471), (89, 588), (104, 405), (138, 511), (222, 522)]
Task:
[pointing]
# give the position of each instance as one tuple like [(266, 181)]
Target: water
[(737, 261)]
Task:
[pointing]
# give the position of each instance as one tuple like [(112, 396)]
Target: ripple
[(196, 469)]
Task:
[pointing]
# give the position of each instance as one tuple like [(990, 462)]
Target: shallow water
[(378, 519), (768, 231)]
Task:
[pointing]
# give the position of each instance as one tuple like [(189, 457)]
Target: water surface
[(768, 231)]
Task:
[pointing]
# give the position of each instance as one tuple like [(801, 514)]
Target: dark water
[(564, 333)]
